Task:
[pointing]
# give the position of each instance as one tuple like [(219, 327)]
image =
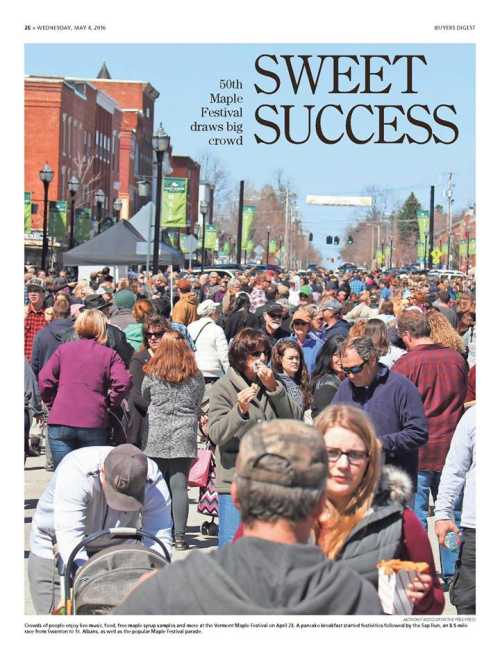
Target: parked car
[(444, 273)]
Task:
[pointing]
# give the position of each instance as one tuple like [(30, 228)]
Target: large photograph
[(250, 329)]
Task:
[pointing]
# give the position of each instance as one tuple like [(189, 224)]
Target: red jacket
[(440, 375)]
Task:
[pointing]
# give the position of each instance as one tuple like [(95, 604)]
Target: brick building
[(136, 99), (74, 128)]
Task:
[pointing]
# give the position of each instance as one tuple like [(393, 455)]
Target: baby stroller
[(104, 581)]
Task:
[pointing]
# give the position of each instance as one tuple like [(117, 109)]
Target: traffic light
[(329, 240), (310, 238), (336, 240), (349, 240)]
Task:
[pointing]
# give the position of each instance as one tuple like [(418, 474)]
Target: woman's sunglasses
[(154, 334)]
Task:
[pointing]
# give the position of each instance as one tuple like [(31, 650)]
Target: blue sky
[(185, 75)]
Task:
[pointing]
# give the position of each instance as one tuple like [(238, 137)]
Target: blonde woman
[(442, 332), (80, 381), (366, 517)]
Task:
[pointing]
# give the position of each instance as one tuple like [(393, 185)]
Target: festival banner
[(27, 212), (83, 225), (226, 249), (248, 218), (249, 246), (174, 202), (472, 247), (210, 237), (423, 231), (58, 217), (272, 247)]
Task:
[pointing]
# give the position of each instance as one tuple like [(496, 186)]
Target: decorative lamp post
[(73, 187), (267, 246), (99, 201), (117, 206), (161, 143), (46, 175), (203, 211)]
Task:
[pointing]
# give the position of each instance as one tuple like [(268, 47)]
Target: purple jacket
[(396, 410), (80, 381)]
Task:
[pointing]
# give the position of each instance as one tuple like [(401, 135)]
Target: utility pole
[(431, 229), (240, 223), (449, 196), (286, 256)]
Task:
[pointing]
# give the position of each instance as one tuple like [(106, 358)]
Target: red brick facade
[(75, 129)]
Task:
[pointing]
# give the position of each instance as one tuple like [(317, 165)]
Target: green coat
[(226, 426), (134, 335)]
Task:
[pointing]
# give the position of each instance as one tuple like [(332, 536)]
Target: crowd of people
[(340, 411)]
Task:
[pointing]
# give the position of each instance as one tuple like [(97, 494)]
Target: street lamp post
[(161, 143), (390, 254), (143, 188), (73, 186), (99, 200), (203, 211), (117, 206), (46, 175), (267, 246)]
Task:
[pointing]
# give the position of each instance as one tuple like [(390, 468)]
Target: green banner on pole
[(272, 247), (174, 202), (250, 246), (248, 218), (472, 247), (226, 249), (210, 237), (83, 225), (27, 212), (421, 248), (58, 217)]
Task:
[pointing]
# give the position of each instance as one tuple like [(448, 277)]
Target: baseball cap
[(302, 315), (206, 307), (285, 453), (273, 309), (125, 470), (331, 305), (35, 284)]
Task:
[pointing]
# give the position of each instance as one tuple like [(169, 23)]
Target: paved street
[(36, 479)]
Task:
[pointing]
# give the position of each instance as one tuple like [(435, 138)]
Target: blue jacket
[(311, 348), (340, 329), (48, 340), (396, 410)]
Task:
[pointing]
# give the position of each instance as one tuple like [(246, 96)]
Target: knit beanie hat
[(124, 299)]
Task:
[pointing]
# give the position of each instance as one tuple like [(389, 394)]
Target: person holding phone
[(249, 393)]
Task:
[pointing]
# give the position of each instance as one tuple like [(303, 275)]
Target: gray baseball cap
[(125, 470), (334, 305)]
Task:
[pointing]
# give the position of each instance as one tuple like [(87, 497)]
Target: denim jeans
[(64, 439), (427, 483), (229, 519)]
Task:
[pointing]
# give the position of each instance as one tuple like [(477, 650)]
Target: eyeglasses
[(300, 322), (353, 457), (154, 334), (354, 369), (257, 353)]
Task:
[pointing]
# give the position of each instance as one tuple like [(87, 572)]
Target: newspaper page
[(297, 137)]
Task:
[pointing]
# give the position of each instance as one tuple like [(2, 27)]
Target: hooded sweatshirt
[(184, 311), (48, 340), (254, 577)]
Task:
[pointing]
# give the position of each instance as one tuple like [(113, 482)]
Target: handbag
[(198, 474)]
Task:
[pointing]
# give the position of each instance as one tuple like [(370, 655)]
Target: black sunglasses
[(300, 322), (354, 369), (154, 334), (257, 353)]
